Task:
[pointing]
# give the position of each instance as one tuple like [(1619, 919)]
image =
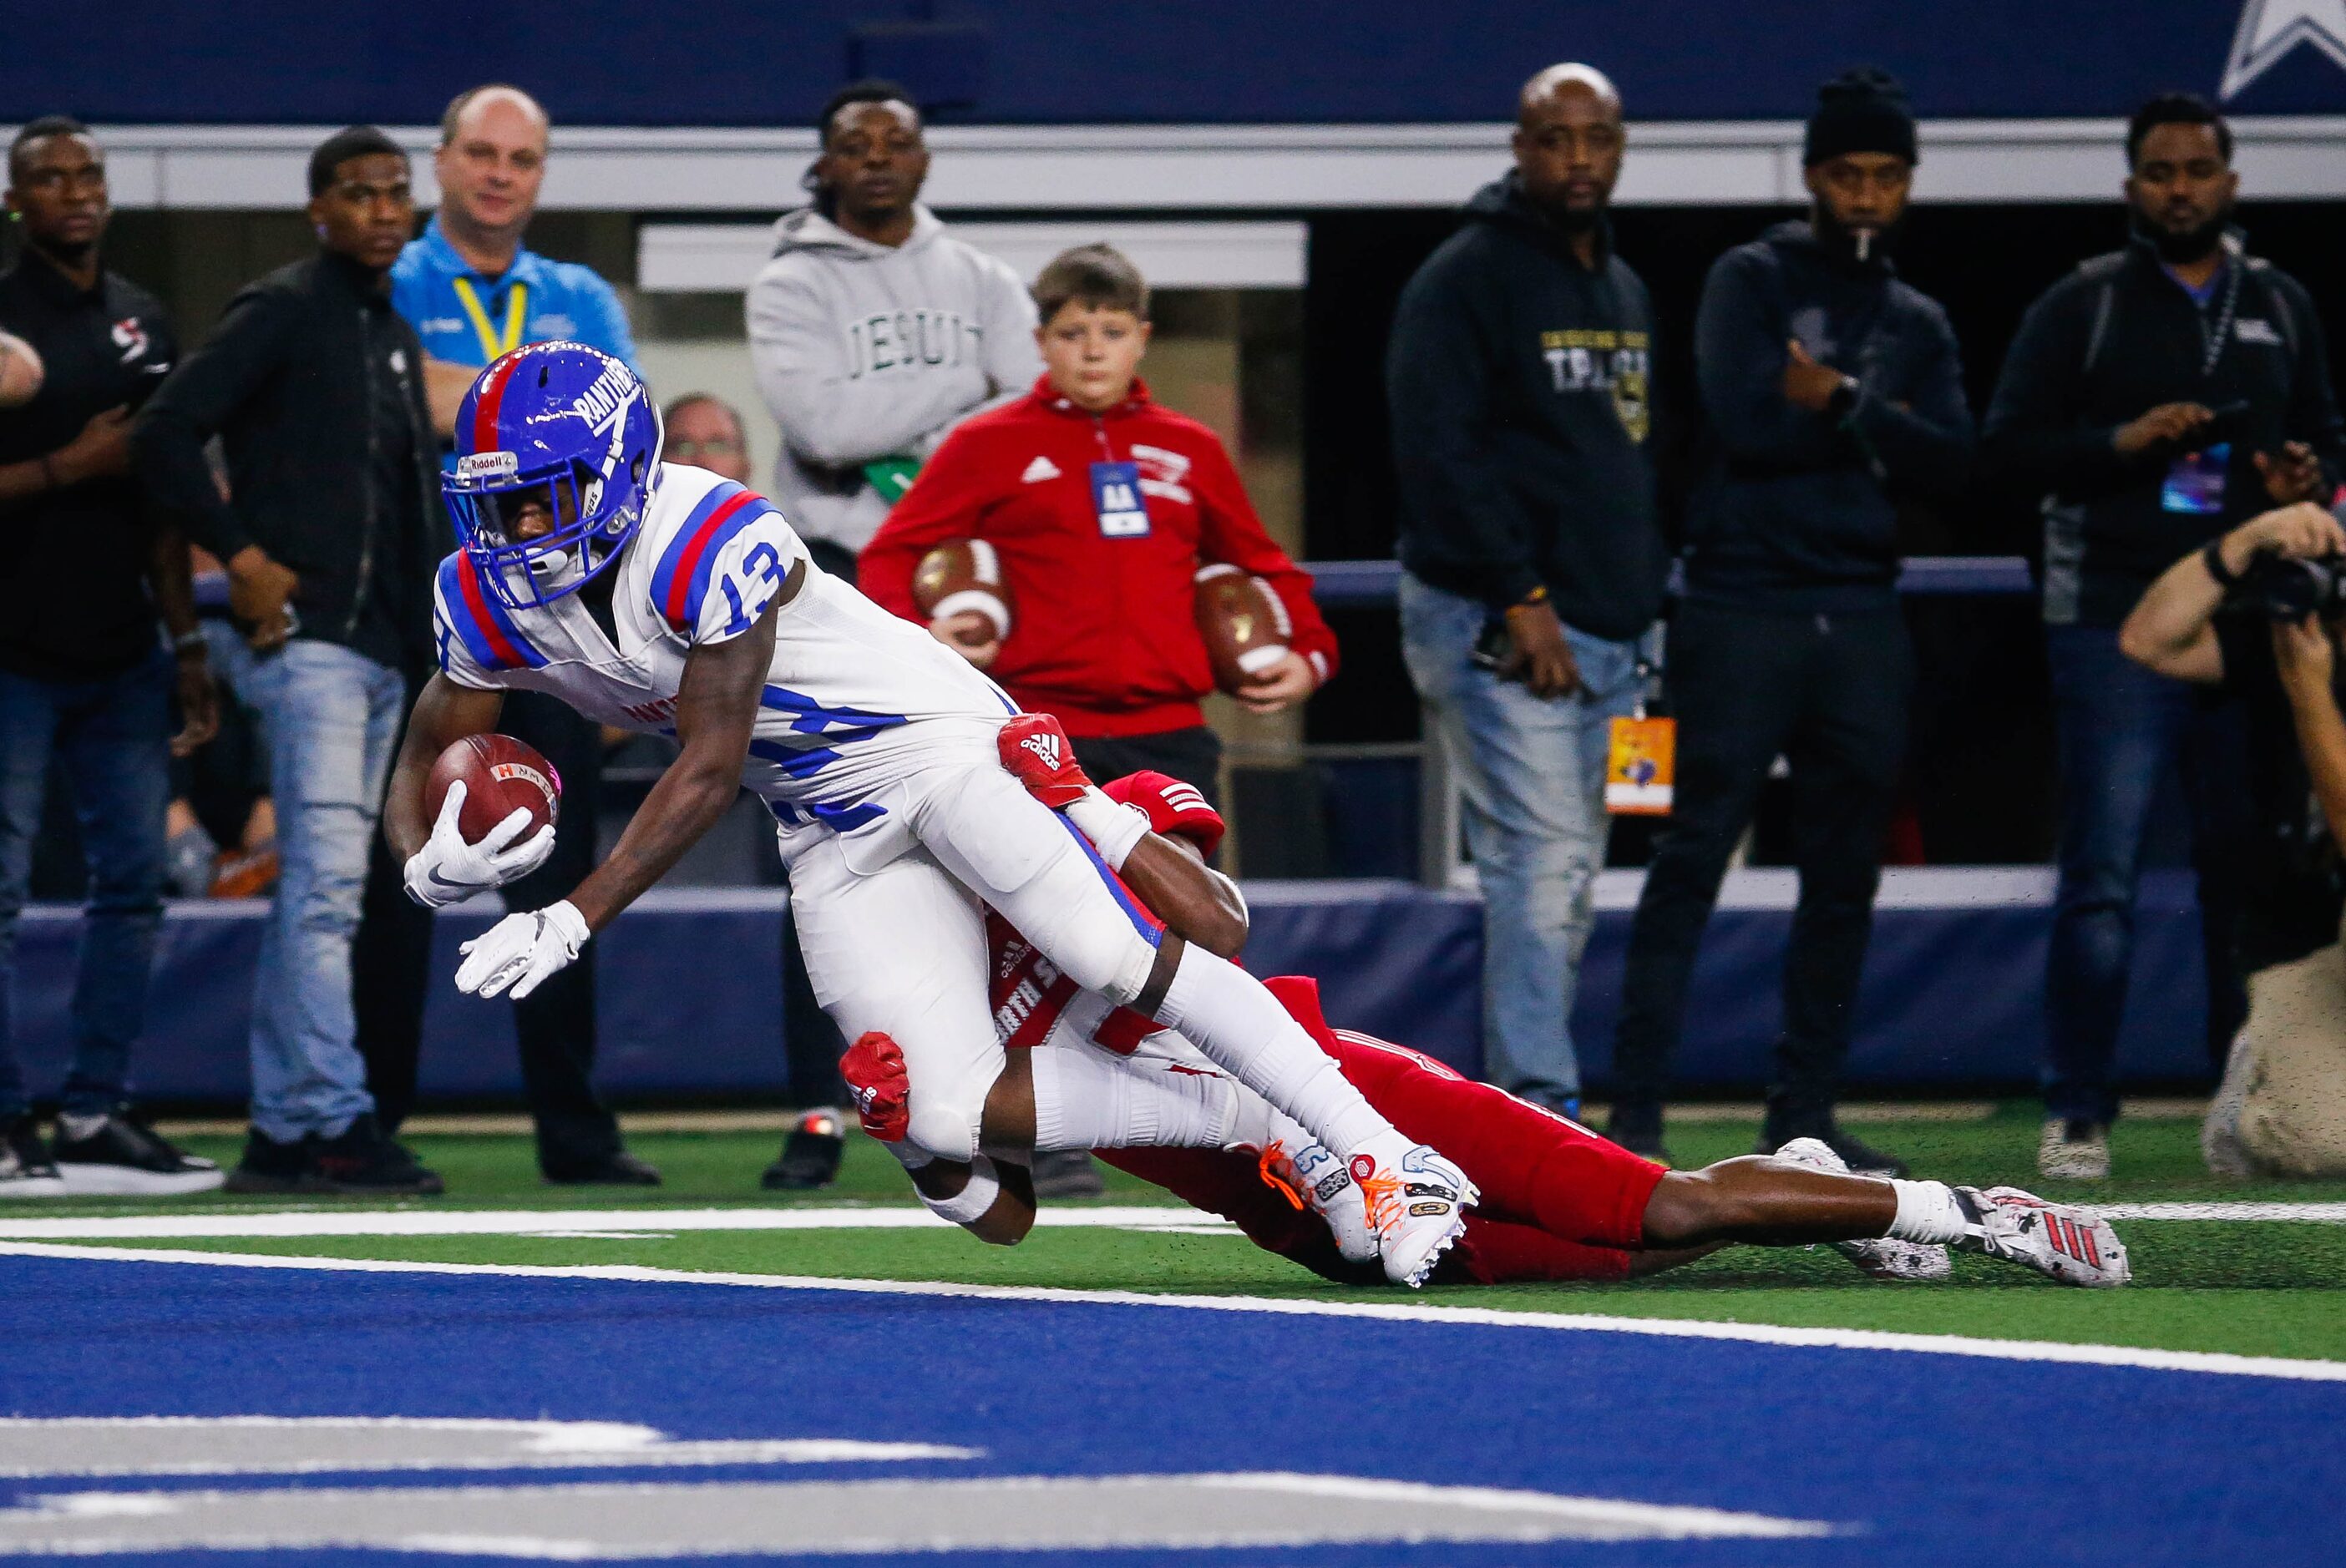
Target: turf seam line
[(2215, 1363)]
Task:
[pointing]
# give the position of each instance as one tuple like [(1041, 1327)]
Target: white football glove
[(520, 951), (448, 871)]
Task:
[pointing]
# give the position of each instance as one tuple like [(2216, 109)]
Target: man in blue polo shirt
[(472, 292), (467, 287)]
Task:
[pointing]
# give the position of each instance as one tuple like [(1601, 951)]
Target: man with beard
[(2158, 397), (1834, 390), (1519, 374)]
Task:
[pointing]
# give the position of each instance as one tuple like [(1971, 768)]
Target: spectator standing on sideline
[(83, 679), (1520, 380), (471, 291), (314, 386), (873, 331), (706, 432), (2158, 397), (1832, 389), (1104, 633)]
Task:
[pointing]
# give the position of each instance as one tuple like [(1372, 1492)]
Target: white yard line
[(622, 1224), (2201, 1361), (589, 1222)]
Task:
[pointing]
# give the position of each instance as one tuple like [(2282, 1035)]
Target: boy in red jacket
[(1102, 636)]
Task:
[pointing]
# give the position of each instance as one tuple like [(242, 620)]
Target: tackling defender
[(662, 599), (1558, 1202)]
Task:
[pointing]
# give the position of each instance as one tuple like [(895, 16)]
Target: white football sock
[(1228, 1014), (1927, 1211), (1086, 1101)]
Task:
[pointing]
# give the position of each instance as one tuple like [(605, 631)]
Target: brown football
[(501, 776), (959, 577), (1245, 627)]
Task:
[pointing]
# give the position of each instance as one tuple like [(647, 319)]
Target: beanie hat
[(1860, 110)]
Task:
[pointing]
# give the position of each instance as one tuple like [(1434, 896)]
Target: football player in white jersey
[(660, 598)]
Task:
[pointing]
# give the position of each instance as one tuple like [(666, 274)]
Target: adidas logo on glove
[(1045, 749)]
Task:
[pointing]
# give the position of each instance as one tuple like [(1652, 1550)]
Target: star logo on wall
[(2271, 28)]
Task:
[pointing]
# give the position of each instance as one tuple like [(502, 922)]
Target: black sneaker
[(26, 1168), (617, 1168), (362, 1161), (1638, 1129), (810, 1156), (1862, 1157), (268, 1166), (1068, 1172), (124, 1157)]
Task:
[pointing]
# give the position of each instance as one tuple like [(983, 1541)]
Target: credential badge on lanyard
[(1116, 501), (493, 342)]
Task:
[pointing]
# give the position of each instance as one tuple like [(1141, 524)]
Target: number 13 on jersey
[(752, 587)]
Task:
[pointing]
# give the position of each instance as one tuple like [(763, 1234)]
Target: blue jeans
[(1531, 772), (114, 737), (332, 715), (2122, 729)]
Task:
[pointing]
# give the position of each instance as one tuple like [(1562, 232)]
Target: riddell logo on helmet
[(1045, 749), (488, 466)]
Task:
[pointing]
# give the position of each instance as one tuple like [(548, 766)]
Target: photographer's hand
[(2303, 532)]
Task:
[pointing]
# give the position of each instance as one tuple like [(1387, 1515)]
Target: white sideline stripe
[(2218, 1362), (619, 1224), (585, 1222), (2301, 1212)]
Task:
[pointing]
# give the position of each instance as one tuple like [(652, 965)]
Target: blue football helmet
[(565, 430)]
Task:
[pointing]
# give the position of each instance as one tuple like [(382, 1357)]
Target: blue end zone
[(1931, 1459)]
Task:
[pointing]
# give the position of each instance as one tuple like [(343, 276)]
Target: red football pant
[(1558, 1202)]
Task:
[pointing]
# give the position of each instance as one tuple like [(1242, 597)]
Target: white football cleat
[(2070, 1245), (1414, 1200), (1878, 1257), (1312, 1177)]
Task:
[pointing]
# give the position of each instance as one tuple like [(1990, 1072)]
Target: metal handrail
[(1358, 583)]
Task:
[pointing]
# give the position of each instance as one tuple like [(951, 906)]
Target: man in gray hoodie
[(873, 332)]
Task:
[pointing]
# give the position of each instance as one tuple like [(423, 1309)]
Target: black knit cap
[(1860, 110)]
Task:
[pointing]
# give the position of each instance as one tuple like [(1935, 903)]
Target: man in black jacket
[(1520, 378), (2158, 397), (314, 386), (84, 680), (1832, 387)]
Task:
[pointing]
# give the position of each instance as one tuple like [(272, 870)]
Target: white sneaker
[(1879, 1258), (2073, 1151), (1312, 1177), (2071, 1246), (1414, 1200)]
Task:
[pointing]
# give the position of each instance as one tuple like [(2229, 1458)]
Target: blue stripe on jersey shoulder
[(481, 640), (671, 563)]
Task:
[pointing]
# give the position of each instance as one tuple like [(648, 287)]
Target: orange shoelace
[(1380, 1195), (1273, 1162)]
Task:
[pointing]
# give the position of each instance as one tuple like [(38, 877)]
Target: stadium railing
[(1355, 584)]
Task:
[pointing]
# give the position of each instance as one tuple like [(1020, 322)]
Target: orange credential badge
[(1639, 767)]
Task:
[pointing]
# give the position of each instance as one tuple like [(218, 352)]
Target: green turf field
[(2258, 1288)]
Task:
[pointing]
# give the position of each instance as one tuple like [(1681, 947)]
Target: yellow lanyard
[(493, 342)]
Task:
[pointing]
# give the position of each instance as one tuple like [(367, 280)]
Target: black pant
[(1830, 693), (555, 1024), (1194, 756)]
